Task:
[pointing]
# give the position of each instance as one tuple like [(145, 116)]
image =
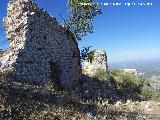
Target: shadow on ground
[(25, 101)]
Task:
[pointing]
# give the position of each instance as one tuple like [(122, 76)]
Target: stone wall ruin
[(40, 49), (99, 61)]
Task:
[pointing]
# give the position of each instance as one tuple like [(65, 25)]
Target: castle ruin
[(40, 49), (99, 61)]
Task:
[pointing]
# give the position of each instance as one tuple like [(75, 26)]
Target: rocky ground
[(28, 102)]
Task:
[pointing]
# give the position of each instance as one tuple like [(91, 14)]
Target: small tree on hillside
[(87, 54), (82, 13)]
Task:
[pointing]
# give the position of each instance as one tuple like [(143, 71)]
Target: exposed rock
[(40, 48)]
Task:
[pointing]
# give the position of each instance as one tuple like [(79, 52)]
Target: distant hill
[(150, 67)]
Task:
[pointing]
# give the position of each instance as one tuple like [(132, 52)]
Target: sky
[(124, 32)]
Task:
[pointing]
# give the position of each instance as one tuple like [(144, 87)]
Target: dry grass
[(28, 102), (21, 101)]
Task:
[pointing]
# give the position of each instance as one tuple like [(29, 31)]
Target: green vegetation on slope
[(30, 102), (129, 83)]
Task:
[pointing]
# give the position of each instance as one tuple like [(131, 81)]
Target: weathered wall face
[(99, 61), (40, 49)]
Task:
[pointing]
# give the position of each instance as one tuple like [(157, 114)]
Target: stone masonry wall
[(99, 61), (40, 49)]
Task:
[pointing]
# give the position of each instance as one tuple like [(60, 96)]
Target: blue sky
[(125, 33)]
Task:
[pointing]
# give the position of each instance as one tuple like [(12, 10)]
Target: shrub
[(127, 81), (115, 72), (149, 93), (101, 74)]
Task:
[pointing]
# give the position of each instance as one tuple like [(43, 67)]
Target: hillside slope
[(28, 102)]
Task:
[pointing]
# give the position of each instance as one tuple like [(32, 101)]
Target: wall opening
[(55, 73)]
